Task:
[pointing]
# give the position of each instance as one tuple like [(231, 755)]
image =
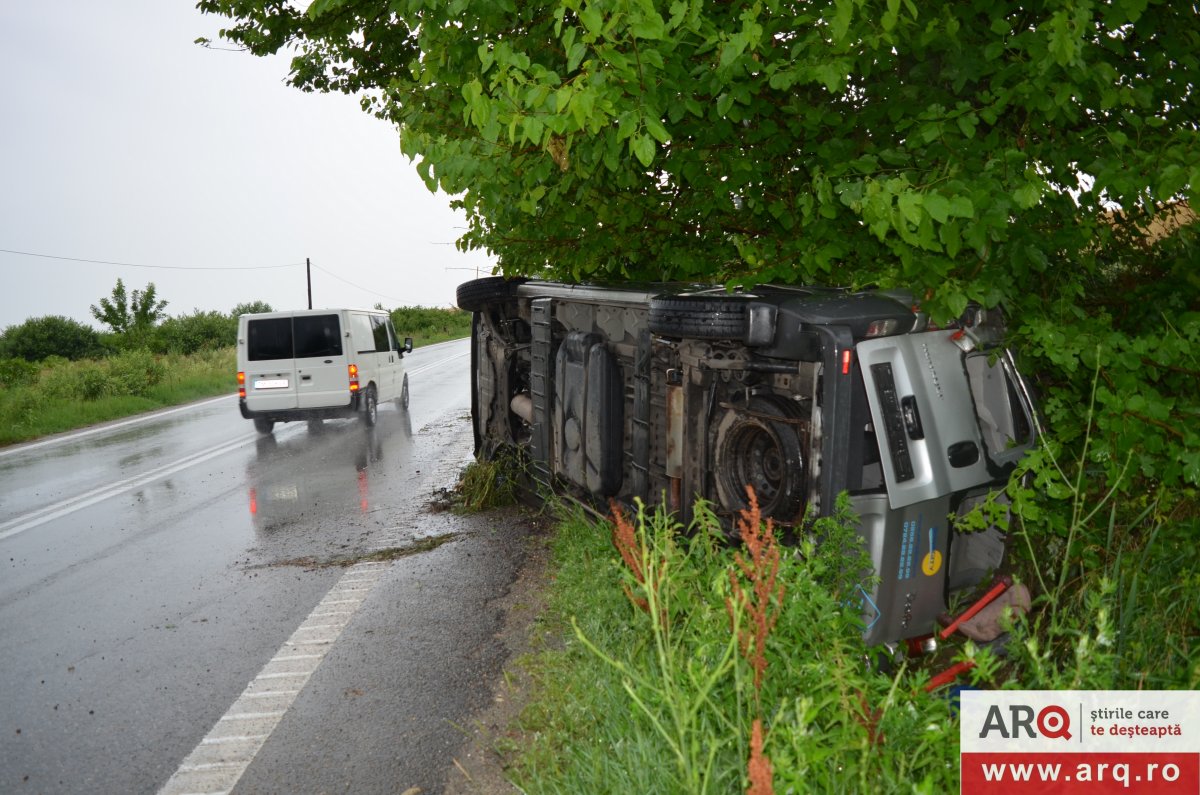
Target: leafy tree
[(199, 331), (137, 312), (250, 308), (969, 151), (52, 335)]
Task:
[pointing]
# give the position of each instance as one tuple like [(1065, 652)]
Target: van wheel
[(700, 317), (263, 426), (402, 401), (370, 408), (759, 445), (477, 294)]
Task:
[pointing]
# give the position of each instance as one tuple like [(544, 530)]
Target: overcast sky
[(125, 142)]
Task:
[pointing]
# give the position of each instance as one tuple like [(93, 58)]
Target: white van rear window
[(303, 337), (269, 339), (317, 335)]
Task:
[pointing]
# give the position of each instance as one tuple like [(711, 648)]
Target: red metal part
[(1002, 585), (949, 675)]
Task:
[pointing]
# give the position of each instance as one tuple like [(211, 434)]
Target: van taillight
[(241, 384), (353, 377)]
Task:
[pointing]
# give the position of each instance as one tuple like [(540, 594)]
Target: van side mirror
[(407, 345)]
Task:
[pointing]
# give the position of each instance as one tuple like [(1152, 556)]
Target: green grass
[(69, 395), (626, 702), (427, 325), (662, 699)]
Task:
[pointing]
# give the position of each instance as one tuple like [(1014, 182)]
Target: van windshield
[(287, 338)]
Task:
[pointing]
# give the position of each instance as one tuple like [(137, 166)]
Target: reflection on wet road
[(151, 568)]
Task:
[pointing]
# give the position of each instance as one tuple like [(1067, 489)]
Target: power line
[(157, 267), (358, 286)]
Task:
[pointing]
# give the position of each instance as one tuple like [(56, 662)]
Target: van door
[(938, 440), (270, 368), (924, 415), (364, 353), (386, 358), (321, 377)]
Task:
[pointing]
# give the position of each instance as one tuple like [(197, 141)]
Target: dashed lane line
[(220, 759)]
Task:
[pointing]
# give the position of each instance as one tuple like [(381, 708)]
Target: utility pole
[(308, 272)]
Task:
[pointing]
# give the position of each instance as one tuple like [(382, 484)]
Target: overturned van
[(318, 364), (670, 393)]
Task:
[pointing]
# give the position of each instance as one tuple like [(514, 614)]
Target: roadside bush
[(17, 372), (134, 373), (199, 331), (425, 324), (131, 373), (52, 335), (86, 380)]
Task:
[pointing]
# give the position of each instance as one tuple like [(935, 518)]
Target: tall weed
[(66, 395), (1115, 576), (656, 688)]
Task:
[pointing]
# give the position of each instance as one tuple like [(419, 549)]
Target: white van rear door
[(924, 416), (322, 378), (270, 369)]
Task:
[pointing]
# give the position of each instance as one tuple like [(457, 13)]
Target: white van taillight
[(353, 377), (847, 358), (241, 384)]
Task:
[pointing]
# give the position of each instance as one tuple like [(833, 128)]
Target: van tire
[(263, 426), (478, 294), (370, 408), (760, 445), (699, 317), (402, 401)]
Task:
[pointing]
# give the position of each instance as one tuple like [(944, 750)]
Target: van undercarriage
[(666, 395)]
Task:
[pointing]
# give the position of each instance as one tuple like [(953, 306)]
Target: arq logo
[(1053, 722)]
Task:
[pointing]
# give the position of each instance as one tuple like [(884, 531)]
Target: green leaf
[(649, 25), (938, 207), (1028, 195), (966, 124), (909, 203), (956, 301), (656, 128), (592, 20), (486, 58), (575, 55), (961, 207), (839, 26), (643, 148), (951, 238)]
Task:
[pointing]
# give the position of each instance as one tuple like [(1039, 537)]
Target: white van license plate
[(271, 383)]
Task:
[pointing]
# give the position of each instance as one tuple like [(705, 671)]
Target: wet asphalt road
[(153, 572)]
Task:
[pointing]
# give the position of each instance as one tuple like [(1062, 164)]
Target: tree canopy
[(125, 313), (1002, 152)]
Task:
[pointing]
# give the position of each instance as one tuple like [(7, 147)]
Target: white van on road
[(316, 364)]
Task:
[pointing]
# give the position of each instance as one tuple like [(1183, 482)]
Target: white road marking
[(73, 435), (220, 759), (438, 363)]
